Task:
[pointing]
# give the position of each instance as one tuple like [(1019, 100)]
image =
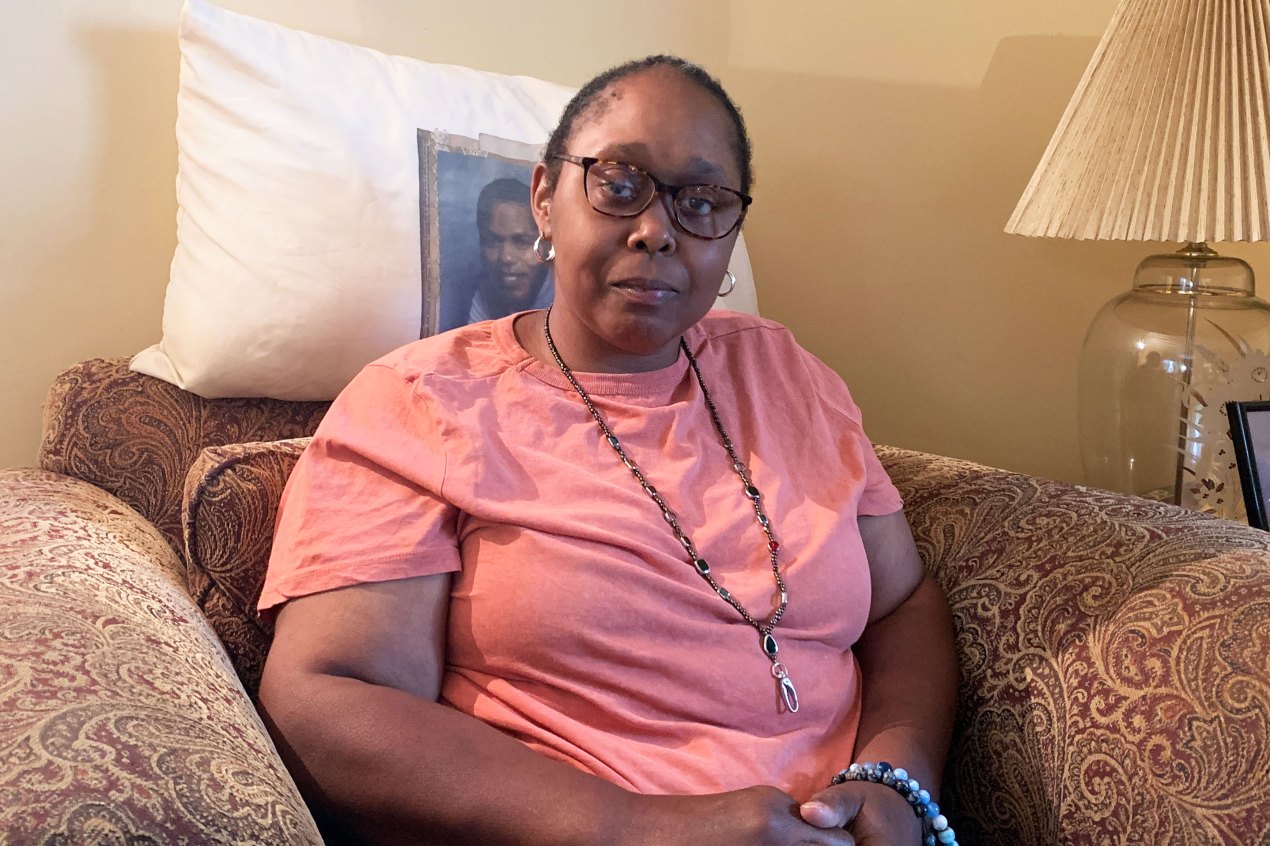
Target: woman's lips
[(646, 291)]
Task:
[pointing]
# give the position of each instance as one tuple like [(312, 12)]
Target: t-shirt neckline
[(650, 381)]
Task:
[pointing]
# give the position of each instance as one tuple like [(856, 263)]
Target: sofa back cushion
[(228, 512), (136, 436)]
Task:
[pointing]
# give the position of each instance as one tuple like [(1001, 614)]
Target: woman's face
[(628, 287)]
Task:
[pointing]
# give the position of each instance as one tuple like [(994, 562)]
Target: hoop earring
[(731, 283), (551, 250)]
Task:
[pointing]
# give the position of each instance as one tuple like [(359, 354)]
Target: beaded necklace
[(767, 643)]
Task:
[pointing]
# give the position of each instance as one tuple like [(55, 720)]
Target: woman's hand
[(754, 816), (874, 813)]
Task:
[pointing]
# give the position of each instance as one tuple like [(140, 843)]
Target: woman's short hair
[(589, 94)]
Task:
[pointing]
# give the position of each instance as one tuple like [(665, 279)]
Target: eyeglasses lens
[(624, 191)]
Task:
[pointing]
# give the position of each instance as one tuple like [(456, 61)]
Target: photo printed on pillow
[(476, 231)]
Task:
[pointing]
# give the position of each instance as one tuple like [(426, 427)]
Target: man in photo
[(508, 277)]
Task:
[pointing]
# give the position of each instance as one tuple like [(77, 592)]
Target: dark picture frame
[(1250, 436), (453, 170)]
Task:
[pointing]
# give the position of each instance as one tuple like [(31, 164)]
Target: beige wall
[(88, 154), (892, 141)]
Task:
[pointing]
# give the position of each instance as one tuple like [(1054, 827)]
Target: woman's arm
[(908, 669), (350, 690), (349, 693), (908, 664)]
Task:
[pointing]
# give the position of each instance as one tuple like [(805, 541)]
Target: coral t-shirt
[(577, 623)]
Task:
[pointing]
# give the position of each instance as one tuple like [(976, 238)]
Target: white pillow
[(298, 245)]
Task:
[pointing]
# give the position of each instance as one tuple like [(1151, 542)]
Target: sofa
[(1114, 652)]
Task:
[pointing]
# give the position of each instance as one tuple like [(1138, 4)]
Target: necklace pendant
[(786, 687)]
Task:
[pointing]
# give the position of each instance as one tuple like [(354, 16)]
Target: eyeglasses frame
[(660, 188)]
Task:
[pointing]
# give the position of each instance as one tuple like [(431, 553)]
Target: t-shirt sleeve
[(365, 501), (880, 495)]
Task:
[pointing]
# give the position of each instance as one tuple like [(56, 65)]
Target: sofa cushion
[(136, 436), (1114, 655), (230, 504), (121, 721)]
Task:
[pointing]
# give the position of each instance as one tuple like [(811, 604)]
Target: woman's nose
[(654, 229)]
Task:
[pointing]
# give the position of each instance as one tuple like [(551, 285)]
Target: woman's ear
[(540, 191)]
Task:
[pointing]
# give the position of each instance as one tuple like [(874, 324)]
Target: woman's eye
[(699, 205), (618, 189), (699, 202)]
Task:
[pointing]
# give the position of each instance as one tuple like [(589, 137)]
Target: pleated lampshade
[(1167, 137)]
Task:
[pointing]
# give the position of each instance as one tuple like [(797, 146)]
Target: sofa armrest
[(1114, 656), (121, 718)]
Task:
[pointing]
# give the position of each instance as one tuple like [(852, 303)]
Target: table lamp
[(1167, 138)]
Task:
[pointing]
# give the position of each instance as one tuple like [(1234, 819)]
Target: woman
[(567, 578)]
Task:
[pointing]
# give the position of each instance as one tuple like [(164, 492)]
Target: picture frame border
[(430, 143), (1246, 458)]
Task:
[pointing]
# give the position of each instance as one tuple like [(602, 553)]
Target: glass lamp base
[(1158, 366)]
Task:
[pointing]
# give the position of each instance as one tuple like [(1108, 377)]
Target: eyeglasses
[(621, 190)]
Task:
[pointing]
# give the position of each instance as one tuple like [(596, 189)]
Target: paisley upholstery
[(121, 719), (1115, 660), (136, 436), (1114, 652), (231, 501)]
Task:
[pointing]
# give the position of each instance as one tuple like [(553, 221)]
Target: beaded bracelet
[(935, 827)]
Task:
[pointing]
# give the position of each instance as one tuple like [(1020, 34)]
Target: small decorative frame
[(452, 171), (1250, 435)]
